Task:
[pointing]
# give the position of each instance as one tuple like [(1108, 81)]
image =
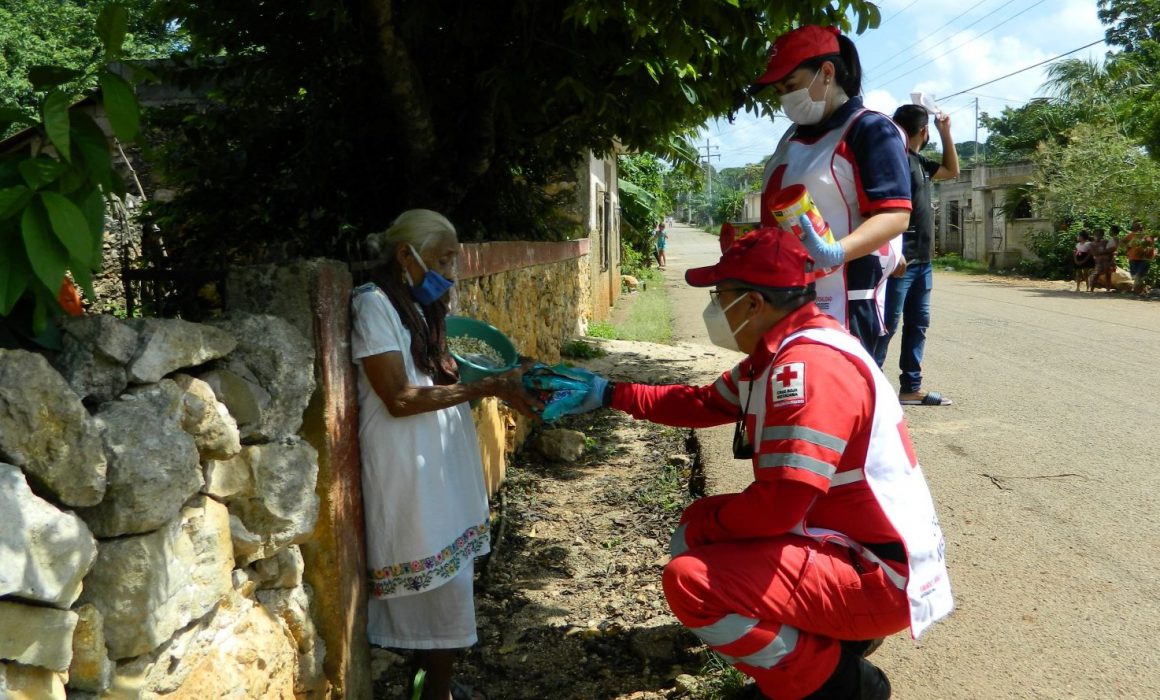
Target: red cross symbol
[(786, 376)]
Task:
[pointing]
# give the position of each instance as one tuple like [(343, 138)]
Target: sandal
[(930, 398)]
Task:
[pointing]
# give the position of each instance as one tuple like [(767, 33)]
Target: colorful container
[(790, 204)]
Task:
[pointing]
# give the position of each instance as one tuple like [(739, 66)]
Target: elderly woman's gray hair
[(420, 228)]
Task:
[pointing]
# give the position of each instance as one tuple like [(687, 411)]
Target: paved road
[(1046, 472)]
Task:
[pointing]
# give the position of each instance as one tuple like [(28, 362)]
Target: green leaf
[(54, 111), (40, 171), (84, 278), (14, 272), (690, 94), (120, 106), (44, 77), (70, 226), (46, 255), (13, 200), (112, 24), (94, 149), (93, 207)]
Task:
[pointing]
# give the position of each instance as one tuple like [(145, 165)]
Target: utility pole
[(976, 158), (708, 155)]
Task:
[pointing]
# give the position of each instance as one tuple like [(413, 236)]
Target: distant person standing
[(660, 242), (1141, 252), (908, 289), (1105, 252), (1082, 258)]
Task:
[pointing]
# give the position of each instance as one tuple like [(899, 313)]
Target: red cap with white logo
[(792, 48)]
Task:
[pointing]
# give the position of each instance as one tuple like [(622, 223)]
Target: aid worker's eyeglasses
[(742, 445), (715, 294)]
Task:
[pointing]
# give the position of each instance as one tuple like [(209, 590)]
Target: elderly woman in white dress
[(426, 505)]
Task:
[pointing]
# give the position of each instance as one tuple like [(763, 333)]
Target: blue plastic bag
[(561, 390)]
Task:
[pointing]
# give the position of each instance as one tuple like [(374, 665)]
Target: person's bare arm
[(950, 160), (388, 377)]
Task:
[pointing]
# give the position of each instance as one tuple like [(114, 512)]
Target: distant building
[(971, 221)]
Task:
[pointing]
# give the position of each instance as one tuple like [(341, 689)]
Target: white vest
[(899, 488), (831, 183)]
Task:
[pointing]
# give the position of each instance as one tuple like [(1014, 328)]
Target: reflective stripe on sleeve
[(725, 392), (860, 294), (848, 477), (790, 459), (725, 631), (797, 432), (781, 646), (677, 544)]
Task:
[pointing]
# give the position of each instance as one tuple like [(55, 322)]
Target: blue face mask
[(432, 287)]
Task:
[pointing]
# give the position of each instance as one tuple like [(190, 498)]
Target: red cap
[(792, 48), (767, 257)]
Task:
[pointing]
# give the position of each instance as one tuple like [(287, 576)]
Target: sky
[(941, 48)]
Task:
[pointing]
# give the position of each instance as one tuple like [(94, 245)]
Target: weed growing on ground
[(580, 350), (602, 329), (958, 264)]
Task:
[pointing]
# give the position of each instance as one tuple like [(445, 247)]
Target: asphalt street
[(1045, 476)]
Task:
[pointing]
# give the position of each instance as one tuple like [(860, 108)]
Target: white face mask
[(803, 109), (721, 333)]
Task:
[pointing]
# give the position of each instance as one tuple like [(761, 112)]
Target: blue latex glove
[(594, 399), (572, 390), (824, 254)]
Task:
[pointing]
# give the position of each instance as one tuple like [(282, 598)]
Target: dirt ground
[(569, 602)]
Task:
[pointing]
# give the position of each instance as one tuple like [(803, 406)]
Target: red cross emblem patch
[(789, 384)]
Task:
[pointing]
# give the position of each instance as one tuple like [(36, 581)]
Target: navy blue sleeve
[(876, 148)]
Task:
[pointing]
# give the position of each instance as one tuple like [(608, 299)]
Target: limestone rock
[(293, 607), (247, 545), (149, 586), (44, 552), (561, 444), (207, 420), (225, 478), (95, 351), (283, 570), (168, 345), (20, 682), (91, 376), (110, 338), (277, 357), (244, 399), (282, 506), (153, 465), (46, 431), (91, 670), (36, 636), (237, 651)]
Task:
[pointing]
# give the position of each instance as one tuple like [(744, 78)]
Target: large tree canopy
[(332, 116), (60, 33)]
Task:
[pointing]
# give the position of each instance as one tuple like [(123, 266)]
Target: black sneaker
[(855, 678)]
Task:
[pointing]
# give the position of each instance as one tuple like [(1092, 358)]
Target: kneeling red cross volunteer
[(836, 542)]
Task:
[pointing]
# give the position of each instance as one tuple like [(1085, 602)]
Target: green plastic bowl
[(460, 326)]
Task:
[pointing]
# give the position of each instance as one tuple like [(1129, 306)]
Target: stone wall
[(154, 493), (540, 295), (181, 505)]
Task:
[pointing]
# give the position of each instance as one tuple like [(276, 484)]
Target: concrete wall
[(970, 223), (599, 196)]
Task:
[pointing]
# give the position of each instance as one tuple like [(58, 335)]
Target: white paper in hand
[(924, 100)]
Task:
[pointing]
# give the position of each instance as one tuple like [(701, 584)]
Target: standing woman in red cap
[(852, 161)]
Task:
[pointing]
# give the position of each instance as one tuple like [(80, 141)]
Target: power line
[(959, 46), (897, 13), (901, 53), (1034, 65)]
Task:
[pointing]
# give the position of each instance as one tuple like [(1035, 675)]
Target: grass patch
[(719, 679), (955, 262), (649, 313), (602, 329)]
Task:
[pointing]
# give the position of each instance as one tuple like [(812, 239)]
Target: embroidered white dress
[(422, 477)]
